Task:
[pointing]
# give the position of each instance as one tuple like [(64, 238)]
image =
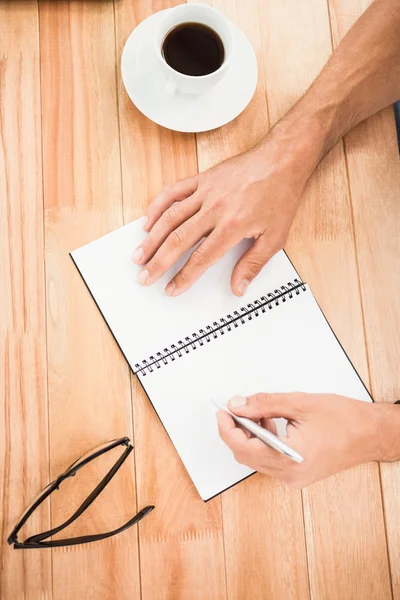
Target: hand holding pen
[(331, 433)]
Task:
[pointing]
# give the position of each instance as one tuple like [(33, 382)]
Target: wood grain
[(89, 386), (181, 547), (260, 513), (23, 371), (343, 515), (372, 148), (71, 138)]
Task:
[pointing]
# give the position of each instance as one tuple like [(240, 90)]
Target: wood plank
[(89, 386), (83, 200), (250, 531), (343, 515), (23, 396), (374, 175), (181, 547)]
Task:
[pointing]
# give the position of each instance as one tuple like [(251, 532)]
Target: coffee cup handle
[(170, 88)]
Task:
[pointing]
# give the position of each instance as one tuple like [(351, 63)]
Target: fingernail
[(145, 221), (238, 401), (169, 290), (243, 285), (143, 277), (137, 255)]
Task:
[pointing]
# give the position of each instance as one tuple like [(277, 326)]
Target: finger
[(250, 264), (174, 193), (270, 425), (211, 250), (245, 431), (181, 239), (251, 452), (228, 431), (170, 220), (265, 457), (290, 406)]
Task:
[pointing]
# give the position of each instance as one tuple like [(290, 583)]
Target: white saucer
[(146, 84)]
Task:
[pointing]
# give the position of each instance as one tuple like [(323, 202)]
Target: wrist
[(300, 140), (385, 434)]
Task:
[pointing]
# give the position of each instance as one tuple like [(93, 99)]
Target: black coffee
[(193, 49)]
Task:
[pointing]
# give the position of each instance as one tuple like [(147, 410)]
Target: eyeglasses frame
[(36, 541)]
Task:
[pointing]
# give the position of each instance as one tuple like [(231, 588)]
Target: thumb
[(268, 406), (250, 264)]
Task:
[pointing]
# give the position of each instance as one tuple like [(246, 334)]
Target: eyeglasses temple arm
[(86, 538), (91, 498)]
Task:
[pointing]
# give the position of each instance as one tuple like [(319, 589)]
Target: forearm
[(361, 77)]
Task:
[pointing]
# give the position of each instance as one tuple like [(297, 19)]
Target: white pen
[(262, 434)]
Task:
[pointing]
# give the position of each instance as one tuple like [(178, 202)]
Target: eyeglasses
[(36, 541)]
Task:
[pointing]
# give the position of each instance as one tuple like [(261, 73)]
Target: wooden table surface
[(78, 160)]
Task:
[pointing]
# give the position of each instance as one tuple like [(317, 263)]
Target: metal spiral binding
[(220, 327)]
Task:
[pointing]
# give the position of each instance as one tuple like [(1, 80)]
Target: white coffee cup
[(193, 13)]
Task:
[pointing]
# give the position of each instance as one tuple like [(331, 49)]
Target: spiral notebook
[(209, 343)]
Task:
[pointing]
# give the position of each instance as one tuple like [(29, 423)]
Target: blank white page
[(144, 320), (289, 348)]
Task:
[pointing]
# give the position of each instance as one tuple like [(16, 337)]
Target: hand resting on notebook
[(332, 433), (256, 195)]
